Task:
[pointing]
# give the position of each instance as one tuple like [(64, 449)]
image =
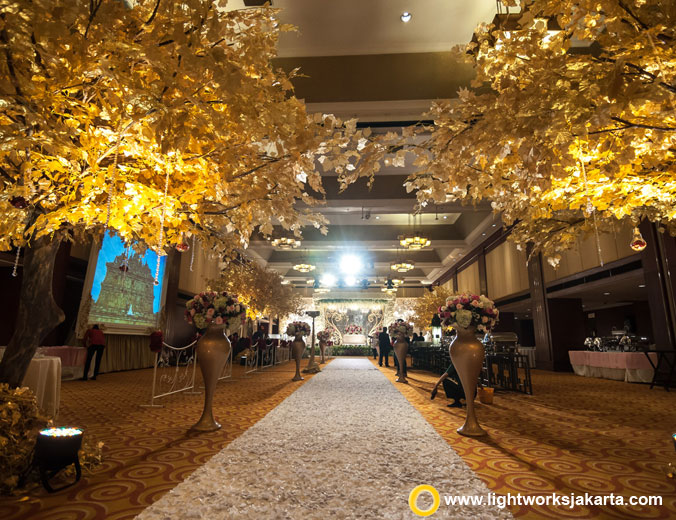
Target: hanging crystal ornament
[(160, 242), (111, 185), (16, 262), (192, 253), (183, 246), (590, 209), (637, 243)]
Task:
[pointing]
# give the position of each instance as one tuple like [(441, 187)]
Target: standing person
[(384, 344), (95, 342)]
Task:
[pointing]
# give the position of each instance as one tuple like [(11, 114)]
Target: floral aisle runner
[(346, 444)]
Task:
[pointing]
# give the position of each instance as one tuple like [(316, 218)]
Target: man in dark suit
[(384, 345)]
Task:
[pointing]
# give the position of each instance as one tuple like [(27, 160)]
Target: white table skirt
[(43, 377), (629, 375)]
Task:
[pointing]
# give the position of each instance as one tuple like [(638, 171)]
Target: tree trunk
[(38, 312)]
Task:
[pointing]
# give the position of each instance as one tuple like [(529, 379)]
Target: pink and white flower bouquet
[(324, 336), (400, 327), (298, 328), (354, 329), (470, 310), (214, 307)]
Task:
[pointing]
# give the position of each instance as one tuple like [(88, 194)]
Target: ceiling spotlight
[(350, 264), (328, 280), (406, 17), (445, 217), (377, 217), (606, 294), (642, 285)]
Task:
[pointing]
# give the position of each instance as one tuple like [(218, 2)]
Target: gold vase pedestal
[(322, 349), (400, 350), (213, 350), (297, 348), (467, 354)]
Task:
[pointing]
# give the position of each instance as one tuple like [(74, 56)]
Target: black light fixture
[(56, 449)]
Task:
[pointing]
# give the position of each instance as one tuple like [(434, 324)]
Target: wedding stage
[(344, 459)]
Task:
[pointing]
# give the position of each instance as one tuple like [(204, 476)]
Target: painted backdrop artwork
[(123, 290)]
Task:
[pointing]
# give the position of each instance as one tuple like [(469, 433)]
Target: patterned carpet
[(147, 450), (574, 435)]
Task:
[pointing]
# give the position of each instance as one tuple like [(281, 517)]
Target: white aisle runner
[(346, 444)]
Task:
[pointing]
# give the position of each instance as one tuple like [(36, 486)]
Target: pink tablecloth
[(621, 366), (72, 359)]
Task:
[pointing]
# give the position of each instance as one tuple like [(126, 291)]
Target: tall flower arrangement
[(470, 310), (298, 328), (324, 335), (401, 327), (213, 307)]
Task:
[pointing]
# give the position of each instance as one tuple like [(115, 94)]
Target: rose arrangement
[(213, 307), (354, 329), (470, 310), (298, 328), (324, 336), (400, 327)]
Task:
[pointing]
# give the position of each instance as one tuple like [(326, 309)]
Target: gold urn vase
[(401, 350), (467, 354), (213, 350), (297, 348)]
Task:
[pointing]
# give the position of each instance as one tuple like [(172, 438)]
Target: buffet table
[(632, 367), (354, 339)]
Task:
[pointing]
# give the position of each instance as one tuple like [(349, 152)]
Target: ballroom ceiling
[(361, 60)]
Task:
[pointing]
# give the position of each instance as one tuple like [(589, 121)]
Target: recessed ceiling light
[(445, 217), (377, 217), (494, 225), (483, 234), (642, 285), (406, 17), (606, 294)]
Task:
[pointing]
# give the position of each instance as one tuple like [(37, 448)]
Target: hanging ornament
[(16, 262), (192, 253), (19, 202), (182, 247), (637, 243), (159, 248)]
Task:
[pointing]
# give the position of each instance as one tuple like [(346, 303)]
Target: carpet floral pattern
[(574, 435), (147, 451)]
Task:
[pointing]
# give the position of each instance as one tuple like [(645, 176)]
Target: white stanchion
[(251, 361), (170, 357), (282, 354), (267, 356)]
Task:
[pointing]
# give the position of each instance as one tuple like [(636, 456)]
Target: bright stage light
[(350, 281), (328, 280), (350, 264)]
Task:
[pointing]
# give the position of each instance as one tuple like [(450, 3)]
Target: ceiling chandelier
[(402, 266), (286, 243), (397, 282), (304, 267), (416, 240)]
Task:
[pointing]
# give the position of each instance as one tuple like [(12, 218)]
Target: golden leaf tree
[(572, 129), (260, 289), (160, 121), (425, 307)]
